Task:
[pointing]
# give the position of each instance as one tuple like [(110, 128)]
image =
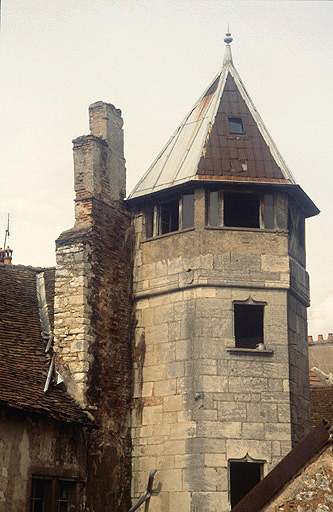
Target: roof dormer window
[(235, 125)]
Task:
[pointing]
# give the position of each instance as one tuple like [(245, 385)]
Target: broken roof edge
[(287, 468), (82, 417)]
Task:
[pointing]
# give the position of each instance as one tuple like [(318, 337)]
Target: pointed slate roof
[(203, 149)]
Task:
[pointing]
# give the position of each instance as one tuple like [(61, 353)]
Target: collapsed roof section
[(222, 138)]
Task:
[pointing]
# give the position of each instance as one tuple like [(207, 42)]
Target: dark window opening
[(243, 477), (213, 208), (41, 495), (65, 496), (241, 210), (249, 325), (235, 125), (53, 495), (169, 216), (149, 222), (188, 211)]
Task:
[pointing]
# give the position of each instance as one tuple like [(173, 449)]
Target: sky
[(153, 59)]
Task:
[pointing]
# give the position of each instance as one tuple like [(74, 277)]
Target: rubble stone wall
[(32, 445)]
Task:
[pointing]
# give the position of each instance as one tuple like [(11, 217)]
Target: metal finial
[(228, 39)]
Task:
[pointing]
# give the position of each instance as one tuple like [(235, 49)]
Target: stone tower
[(220, 294)]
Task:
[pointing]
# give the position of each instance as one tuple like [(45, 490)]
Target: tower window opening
[(235, 125), (169, 216), (249, 325), (243, 477), (149, 221), (241, 210)]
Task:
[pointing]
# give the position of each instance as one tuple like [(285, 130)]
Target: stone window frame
[(249, 460), (262, 351), (267, 210)]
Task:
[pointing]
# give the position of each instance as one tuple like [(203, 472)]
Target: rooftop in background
[(321, 356), (23, 362), (223, 138)]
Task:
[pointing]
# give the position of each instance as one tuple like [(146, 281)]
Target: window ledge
[(170, 233), (234, 228), (252, 351)]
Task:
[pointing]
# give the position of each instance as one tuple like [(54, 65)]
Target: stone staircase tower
[(220, 293)]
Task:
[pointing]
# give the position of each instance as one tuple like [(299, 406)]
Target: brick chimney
[(6, 256)]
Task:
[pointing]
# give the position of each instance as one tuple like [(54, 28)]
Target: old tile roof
[(23, 362), (314, 380), (202, 147)]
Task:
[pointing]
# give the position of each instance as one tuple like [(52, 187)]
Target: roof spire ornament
[(227, 56)]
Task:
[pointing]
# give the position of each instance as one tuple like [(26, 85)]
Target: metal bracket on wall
[(147, 494)]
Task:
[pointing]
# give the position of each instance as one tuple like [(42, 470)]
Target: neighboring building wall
[(35, 445), (93, 309), (198, 402), (321, 353)]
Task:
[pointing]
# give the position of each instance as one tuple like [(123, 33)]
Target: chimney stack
[(6, 256), (99, 163)]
